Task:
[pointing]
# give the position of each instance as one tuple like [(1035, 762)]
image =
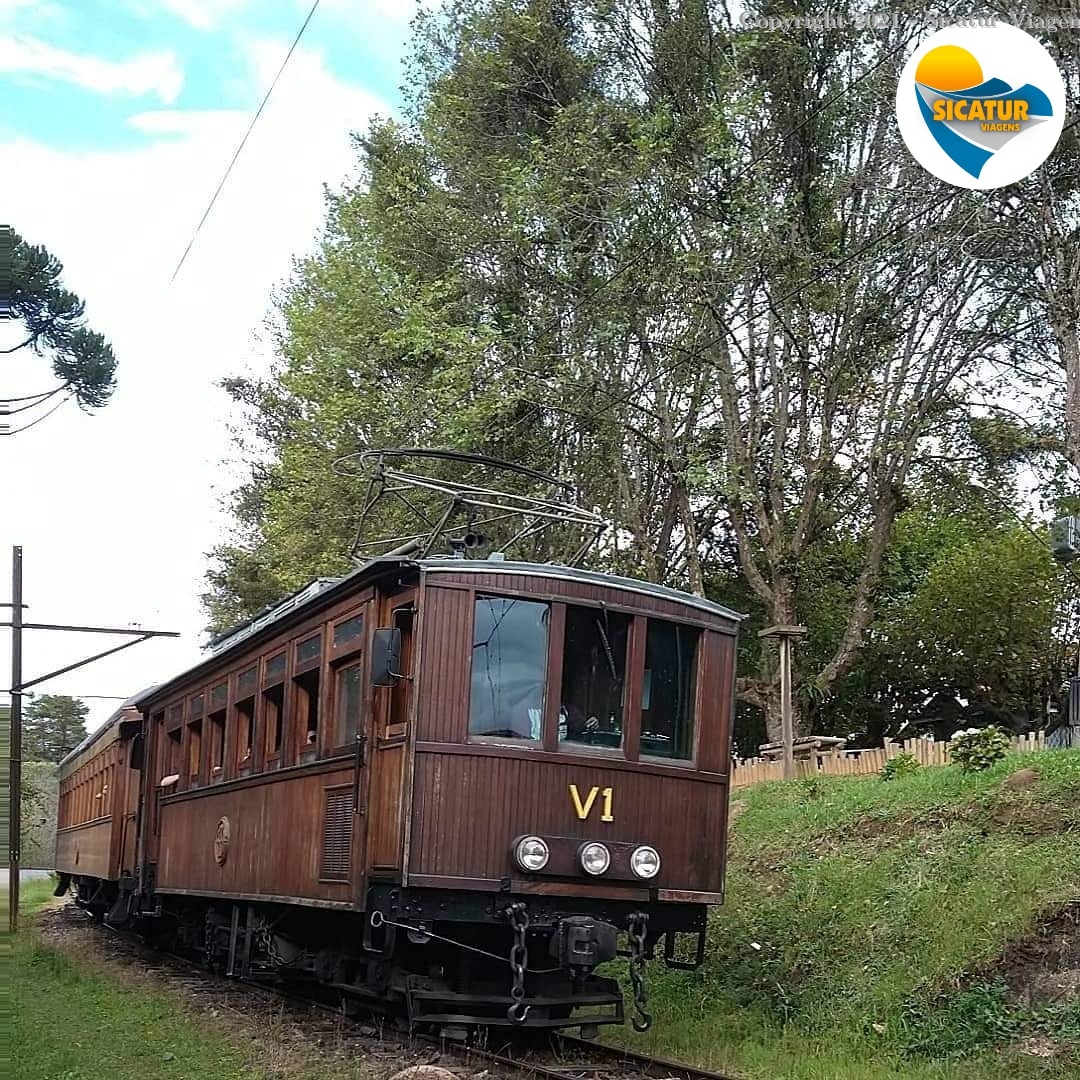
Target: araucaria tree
[(53, 725), (49, 321), (692, 267)]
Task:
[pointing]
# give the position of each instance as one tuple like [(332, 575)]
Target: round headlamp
[(645, 861), (595, 858), (531, 853)]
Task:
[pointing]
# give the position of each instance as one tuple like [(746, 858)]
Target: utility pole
[(19, 686), (785, 636), (15, 745)]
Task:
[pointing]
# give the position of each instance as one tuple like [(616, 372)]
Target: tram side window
[(245, 730), (173, 750), (194, 750), (509, 668), (217, 744), (307, 711), (273, 713), (594, 677), (350, 703), (667, 695)]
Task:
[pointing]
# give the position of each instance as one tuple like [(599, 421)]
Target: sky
[(117, 120)]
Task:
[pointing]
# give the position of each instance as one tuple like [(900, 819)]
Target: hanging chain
[(519, 960), (638, 924), (208, 939)]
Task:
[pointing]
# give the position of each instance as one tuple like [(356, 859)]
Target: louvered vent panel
[(337, 835)]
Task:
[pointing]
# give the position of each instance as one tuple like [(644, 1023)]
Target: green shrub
[(977, 749), (901, 765)]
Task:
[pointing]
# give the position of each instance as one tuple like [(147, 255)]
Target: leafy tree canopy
[(693, 269)]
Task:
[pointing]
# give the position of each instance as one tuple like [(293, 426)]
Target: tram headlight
[(595, 858), (645, 861), (531, 853)]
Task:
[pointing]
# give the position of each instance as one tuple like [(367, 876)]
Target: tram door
[(389, 733)]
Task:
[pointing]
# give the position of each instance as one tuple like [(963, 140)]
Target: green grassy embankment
[(879, 930)]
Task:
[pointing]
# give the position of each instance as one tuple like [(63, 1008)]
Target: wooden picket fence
[(747, 771)]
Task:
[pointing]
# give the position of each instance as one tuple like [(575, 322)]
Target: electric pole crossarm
[(89, 660), (97, 629)]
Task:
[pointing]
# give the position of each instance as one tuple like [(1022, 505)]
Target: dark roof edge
[(372, 569)]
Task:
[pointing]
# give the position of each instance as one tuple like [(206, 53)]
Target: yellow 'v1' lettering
[(583, 809)]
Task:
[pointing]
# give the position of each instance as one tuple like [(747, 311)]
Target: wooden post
[(784, 635)]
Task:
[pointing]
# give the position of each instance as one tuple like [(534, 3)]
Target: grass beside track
[(76, 1019), (72, 1022), (868, 926)]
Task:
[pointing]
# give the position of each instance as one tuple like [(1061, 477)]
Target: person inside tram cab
[(574, 725)]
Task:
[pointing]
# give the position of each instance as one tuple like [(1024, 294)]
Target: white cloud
[(116, 510), (191, 122), (149, 73), (203, 14), (396, 10)]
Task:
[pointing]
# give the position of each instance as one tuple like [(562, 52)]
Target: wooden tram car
[(448, 783)]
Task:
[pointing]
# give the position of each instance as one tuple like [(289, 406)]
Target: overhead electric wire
[(43, 396), (34, 423), (36, 403), (243, 141)]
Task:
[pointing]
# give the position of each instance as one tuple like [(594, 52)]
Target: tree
[(53, 725), (52, 324), (39, 799), (695, 269)]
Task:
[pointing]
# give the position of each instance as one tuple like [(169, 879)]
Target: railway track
[(555, 1057)]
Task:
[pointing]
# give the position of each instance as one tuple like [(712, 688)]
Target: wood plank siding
[(97, 795), (278, 835), (470, 800), (517, 793)]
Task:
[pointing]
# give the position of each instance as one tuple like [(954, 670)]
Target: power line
[(85, 697), (32, 397), (243, 141), (34, 423), (34, 403)]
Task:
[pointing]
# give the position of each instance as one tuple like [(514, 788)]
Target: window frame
[(240, 694), (634, 675), (475, 596), (272, 759), (301, 667), (303, 751), (188, 778), (215, 774), (631, 680), (695, 694), (350, 646), (401, 695), (355, 660)]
